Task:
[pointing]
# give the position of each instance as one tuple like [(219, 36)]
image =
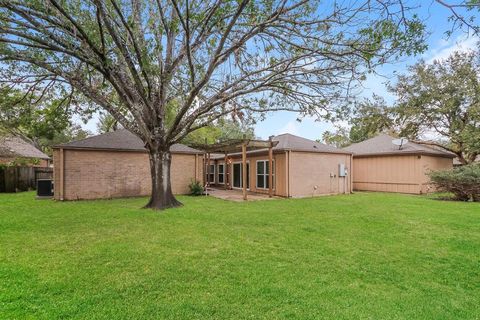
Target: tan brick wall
[(103, 174), (310, 174)]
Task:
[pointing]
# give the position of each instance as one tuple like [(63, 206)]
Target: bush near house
[(463, 182), (196, 188)]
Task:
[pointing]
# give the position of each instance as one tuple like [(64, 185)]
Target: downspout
[(288, 172), (62, 174), (351, 173), (196, 166)]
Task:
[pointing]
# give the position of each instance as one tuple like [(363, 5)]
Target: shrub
[(463, 182), (196, 188)]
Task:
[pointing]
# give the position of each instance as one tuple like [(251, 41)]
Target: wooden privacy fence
[(15, 179)]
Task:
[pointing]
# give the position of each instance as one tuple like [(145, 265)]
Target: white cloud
[(293, 127), (446, 48)]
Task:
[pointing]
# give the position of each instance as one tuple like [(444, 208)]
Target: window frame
[(265, 174), (210, 173), (220, 173)]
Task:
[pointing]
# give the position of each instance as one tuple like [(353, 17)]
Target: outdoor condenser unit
[(342, 172), (44, 188)]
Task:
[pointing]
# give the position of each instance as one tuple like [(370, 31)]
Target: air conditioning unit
[(44, 188)]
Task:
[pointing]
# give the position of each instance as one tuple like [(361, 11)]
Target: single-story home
[(14, 149), (380, 165), (116, 165)]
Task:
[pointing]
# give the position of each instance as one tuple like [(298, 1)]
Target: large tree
[(136, 58), (443, 98)]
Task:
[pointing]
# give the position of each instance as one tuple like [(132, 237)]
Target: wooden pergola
[(236, 146)]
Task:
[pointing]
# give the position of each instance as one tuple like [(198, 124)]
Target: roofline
[(319, 151), (404, 153), (117, 149), (262, 151)]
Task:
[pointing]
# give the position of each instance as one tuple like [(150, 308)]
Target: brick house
[(116, 165), (14, 148)]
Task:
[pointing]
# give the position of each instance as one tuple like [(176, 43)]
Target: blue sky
[(439, 46)]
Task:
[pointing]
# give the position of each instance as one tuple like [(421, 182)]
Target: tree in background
[(440, 99), (42, 120), (214, 58), (223, 129), (443, 98), (107, 123), (367, 119)]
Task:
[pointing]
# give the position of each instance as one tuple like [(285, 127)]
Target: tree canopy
[(443, 98), (43, 121)]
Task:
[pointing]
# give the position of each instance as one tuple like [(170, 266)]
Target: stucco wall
[(104, 174), (397, 173), (313, 174)]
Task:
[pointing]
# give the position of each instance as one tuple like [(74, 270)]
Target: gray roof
[(292, 142), (287, 141), (120, 140), (14, 147), (382, 145)]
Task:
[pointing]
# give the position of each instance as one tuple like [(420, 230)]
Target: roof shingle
[(292, 142), (121, 140), (12, 147), (382, 145)]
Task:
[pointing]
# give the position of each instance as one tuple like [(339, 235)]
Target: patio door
[(238, 176)]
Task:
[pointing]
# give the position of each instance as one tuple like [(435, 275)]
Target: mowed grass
[(361, 256)]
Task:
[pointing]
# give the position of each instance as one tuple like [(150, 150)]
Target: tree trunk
[(162, 196)]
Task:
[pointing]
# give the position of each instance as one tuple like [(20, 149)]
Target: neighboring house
[(116, 165), (16, 149), (379, 165)]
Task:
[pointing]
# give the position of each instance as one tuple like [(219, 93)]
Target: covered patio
[(232, 146)]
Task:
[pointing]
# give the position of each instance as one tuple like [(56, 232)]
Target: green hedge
[(463, 182)]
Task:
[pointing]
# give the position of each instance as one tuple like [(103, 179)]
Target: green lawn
[(363, 256)]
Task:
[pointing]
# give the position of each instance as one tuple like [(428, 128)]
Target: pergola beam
[(238, 146)]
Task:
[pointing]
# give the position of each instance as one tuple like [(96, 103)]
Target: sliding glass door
[(238, 176)]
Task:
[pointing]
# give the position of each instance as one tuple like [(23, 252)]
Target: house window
[(221, 174), (211, 174), (262, 174)]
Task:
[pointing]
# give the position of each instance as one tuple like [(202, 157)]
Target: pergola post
[(204, 163), (270, 169), (208, 171), (244, 170), (225, 171)]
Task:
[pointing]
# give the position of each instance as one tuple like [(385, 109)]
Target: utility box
[(44, 188), (342, 171)]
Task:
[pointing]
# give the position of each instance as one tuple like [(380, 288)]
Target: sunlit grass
[(368, 255)]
